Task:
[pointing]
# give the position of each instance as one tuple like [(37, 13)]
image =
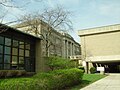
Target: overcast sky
[(85, 13)]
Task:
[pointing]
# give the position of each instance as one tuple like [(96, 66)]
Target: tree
[(57, 19), (59, 63), (10, 4)]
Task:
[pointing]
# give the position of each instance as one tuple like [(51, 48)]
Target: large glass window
[(1, 49), (16, 54), (7, 41), (7, 50), (1, 40), (6, 59)]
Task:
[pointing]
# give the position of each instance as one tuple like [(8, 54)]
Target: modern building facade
[(101, 47), (60, 43), (17, 50)]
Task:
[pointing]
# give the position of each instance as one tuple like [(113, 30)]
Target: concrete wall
[(40, 61), (100, 44), (106, 44)]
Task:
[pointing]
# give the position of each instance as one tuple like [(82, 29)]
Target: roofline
[(98, 30), (19, 31)]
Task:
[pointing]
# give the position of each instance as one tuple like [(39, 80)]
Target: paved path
[(111, 82)]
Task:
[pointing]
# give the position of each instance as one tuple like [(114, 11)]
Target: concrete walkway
[(111, 82)]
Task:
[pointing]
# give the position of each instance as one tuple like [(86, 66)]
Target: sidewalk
[(111, 82)]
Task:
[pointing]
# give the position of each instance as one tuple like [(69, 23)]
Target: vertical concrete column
[(66, 48), (63, 49), (89, 66), (71, 48), (39, 62)]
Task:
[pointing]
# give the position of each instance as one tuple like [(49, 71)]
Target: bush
[(54, 80), (82, 68), (58, 63), (12, 73), (92, 70)]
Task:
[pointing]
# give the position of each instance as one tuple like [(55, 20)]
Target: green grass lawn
[(87, 79)]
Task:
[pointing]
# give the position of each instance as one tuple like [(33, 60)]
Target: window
[(14, 51), (7, 50), (21, 52), (1, 66), (21, 45), (1, 40), (7, 41), (27, 53), (1, 58), (14, 59), (21, 60), (6, 59), (27, 46), (15, 43), (1, 49), (21, 67), (6, 66)]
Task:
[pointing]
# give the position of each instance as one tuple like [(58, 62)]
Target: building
[(100, 46), (19, 51), (70, 46), (60, 44)]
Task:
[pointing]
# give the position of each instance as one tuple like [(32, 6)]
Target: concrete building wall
[(61, 44), (100, 45)]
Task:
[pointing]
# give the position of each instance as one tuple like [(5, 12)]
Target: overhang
[(98, 30), (110, 58)]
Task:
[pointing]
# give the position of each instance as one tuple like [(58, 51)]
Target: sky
[(84, 13)]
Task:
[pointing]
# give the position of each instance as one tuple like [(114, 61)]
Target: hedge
[(14, 73), (54, 80), (55, 63), (92, 70)]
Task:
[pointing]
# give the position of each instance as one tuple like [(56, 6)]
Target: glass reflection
[(14, 51), (21, 60), (27, 53), (1, 49), (7, 50), (6, 59), (21, 52), (7, 41), (1, 58), (6, 66), (14, 59), (1, 40), (15, 43), (27, 46), (21, 45)]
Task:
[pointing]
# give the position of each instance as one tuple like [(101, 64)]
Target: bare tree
[(11, 4), (57, 19)]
